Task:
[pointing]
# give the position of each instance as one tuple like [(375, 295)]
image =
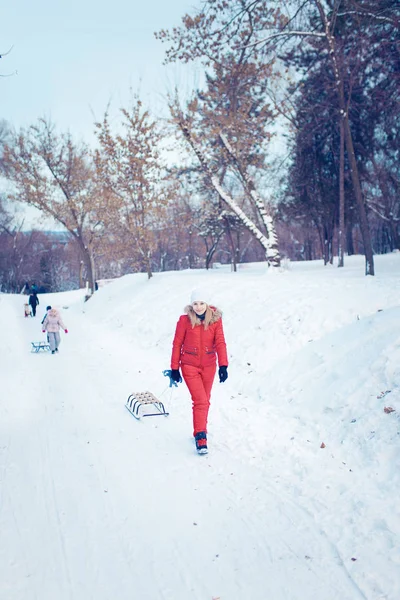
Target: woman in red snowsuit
[(199, 339)]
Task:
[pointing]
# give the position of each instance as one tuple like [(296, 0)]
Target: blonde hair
[(194, 319)]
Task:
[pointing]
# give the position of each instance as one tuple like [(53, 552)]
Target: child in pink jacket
[(52, 324)]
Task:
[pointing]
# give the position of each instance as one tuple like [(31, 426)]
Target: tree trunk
[(81, 282), (190, 249), (308, 250), (273, 255), (328, 256), (365, 232), (232, 245), (149, 269), (321, 238), (92, 276), (88, 259), (341, 238), (223, 194), (211, 251), (349, 240)]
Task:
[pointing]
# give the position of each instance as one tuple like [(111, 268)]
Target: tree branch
[(367, 14), (5, 53), (288, 34)]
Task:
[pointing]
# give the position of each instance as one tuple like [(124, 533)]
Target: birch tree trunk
[(272, 253), (223, 194)]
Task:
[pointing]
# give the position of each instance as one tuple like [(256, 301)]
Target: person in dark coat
[(34, 302)]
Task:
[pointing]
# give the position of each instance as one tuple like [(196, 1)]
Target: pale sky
[(73, 57)]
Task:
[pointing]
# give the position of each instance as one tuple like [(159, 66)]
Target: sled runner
[(141, 400), (37, 346)]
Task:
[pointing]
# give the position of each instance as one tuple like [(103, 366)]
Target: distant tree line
[(327, 71), (53, 261)]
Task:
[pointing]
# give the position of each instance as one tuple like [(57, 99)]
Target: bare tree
[(182, 122), (269, 28), (52, 173), (231, 116), (129, 170)]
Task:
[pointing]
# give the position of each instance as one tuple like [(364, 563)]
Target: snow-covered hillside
[(298, 496)]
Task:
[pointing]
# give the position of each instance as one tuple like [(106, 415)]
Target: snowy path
[(95, 505)]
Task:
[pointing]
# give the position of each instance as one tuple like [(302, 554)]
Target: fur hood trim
[(215, 316)]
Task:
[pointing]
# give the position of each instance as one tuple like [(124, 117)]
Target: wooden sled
[(141, 400), (38, 346)]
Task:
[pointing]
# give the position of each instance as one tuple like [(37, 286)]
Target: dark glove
[(223, 374), (66, 330), (176, 376), (172, 381)]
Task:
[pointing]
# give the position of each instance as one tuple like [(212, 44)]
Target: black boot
[(201, 442)]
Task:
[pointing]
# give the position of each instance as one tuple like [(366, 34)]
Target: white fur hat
[(200, 295)]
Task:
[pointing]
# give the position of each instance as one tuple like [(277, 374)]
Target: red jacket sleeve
[(179, 338), (220, 344)]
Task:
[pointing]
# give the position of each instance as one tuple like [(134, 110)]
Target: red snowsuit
[(195, 349)]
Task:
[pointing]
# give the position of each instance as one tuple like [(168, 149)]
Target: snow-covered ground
[(298, 498)]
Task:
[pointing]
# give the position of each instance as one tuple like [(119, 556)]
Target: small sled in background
[(40, 346), (27, 310), (139, 402)]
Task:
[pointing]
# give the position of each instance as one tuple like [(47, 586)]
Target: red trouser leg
[(199, 381)]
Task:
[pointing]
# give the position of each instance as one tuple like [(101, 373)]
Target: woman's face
[(199, 307)]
